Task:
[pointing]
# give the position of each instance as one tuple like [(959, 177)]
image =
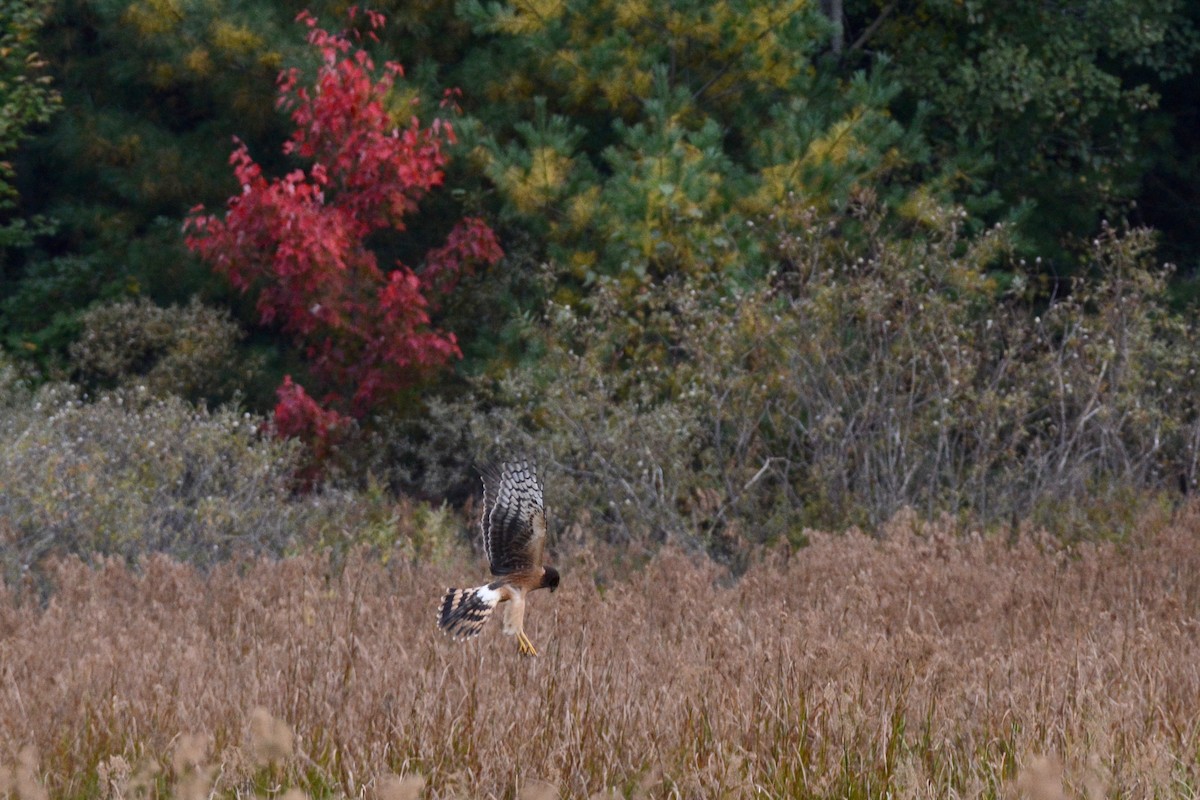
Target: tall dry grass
[(921, 665)]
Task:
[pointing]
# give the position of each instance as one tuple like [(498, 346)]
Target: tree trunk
[(833, 10)]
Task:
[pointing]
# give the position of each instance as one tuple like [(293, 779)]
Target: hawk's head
[(549, 579)]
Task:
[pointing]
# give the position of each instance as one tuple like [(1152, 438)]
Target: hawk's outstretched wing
[(514, 520)]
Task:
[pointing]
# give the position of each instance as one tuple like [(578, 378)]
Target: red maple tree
[(298, 242)]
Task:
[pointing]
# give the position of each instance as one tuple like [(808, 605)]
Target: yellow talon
[(524, 645)]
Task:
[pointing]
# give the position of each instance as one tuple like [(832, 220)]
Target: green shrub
[(375, 522), (188, 351)]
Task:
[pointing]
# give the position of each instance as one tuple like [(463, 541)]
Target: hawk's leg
[(524, 645), (514, 620)]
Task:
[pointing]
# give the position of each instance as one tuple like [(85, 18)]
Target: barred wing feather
[(514, 519)]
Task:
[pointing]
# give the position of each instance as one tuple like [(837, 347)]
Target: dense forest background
[(766, 266)]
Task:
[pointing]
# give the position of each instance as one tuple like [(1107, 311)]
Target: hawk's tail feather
[(463, 612)]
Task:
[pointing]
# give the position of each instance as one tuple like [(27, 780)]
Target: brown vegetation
[(919, 665)]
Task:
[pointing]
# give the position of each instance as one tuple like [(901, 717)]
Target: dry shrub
[(871, 373), (922, 664), (128, 474)]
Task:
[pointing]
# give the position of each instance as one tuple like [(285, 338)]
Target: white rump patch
[(488, 595)]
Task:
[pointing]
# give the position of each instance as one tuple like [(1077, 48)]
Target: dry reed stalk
[(924, 665)]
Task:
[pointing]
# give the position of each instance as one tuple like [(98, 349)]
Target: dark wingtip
[(446, 608)]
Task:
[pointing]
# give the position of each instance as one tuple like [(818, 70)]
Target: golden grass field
[(920, 665)]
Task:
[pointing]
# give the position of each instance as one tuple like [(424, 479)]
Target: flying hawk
[(514, 536)]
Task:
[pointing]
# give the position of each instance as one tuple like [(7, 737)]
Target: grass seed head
[(271, 739), (394, 787)]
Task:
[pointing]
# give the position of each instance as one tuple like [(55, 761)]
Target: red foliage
[(298, 415), (298, 241)]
